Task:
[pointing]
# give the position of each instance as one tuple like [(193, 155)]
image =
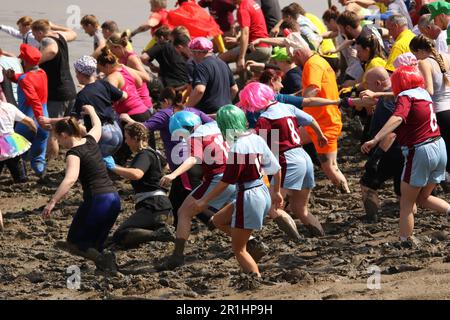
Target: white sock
[(252, 237), (403, 239)]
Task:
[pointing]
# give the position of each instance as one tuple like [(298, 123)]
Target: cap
[(280, 54), (86, 65), (30, 54), (438, 7), (406, 59), (295, 41), (201, 44)]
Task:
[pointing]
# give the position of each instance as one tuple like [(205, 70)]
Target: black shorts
[(380, 169)]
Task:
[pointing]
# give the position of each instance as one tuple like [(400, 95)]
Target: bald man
[(386, 161)]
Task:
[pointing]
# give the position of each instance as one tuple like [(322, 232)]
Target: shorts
[(151, 214), (425, 163), (261, 54), (251, 206), (59, 109), (331, 132), (93, 221), (297, 170), (206, 187)]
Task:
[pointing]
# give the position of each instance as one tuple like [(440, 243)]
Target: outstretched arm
[(72, 173)]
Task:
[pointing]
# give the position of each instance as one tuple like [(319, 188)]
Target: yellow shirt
[(400, 46), (327, 44), (375, 62)]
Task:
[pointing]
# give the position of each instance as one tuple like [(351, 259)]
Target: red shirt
[(221, 11), (33, 90), (163, 21), (250, 15), (207, 145), (419, 124)]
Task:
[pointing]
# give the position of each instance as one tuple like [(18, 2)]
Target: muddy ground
[(331, 267)]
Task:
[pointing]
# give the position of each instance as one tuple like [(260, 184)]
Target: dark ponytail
[(69, 127)]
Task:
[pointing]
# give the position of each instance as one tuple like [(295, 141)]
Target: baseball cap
[(30, 54)]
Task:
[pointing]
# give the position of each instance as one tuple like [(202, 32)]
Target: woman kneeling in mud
[(153, 207), (101, 203)]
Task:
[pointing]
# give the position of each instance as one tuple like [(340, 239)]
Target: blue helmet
[(184, 123)]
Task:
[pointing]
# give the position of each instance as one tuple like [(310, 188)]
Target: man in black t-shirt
[(213, 82), (172, 66)]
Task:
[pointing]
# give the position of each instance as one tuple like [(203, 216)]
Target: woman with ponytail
[(127, 80), (118, 44), (101, 202), (435, 69)]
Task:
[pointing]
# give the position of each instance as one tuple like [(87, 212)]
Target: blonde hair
[(25, 21), (119, 39), (107, 57)]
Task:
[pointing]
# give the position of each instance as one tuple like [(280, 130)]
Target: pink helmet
[(255, 97), (201, 44)]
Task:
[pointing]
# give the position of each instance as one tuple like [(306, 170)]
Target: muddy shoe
[(107, 262), (410, 243), (257, 249), (173, 262), (288, 226), (44, 180), (315, 231), (246, 281), (164, 234)]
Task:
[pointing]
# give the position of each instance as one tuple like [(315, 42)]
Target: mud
[(334, 266)]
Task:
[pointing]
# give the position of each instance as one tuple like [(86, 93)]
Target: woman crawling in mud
[(152, 204)]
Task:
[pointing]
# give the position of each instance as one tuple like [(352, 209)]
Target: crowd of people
[(247, 99)]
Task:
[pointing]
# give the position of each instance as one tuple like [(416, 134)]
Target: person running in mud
[(100, 94), (385, 161), (297, 173), (32, 92), (12, 144), (91, 26), (207, 147), (171, 103), (24, 32), (127, 80), (152, 205), (101, 202), (249, 156), (414, 122), (55, 62)]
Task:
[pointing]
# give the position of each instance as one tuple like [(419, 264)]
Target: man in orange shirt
[(319, 80)]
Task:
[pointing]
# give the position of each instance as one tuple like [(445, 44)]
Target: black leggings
[(16, 168), (443, 120), (178, 193)]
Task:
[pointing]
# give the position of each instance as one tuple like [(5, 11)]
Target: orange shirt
[(318, 73)]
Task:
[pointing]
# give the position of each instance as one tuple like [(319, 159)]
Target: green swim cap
[(231, 121), (280, 54)]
